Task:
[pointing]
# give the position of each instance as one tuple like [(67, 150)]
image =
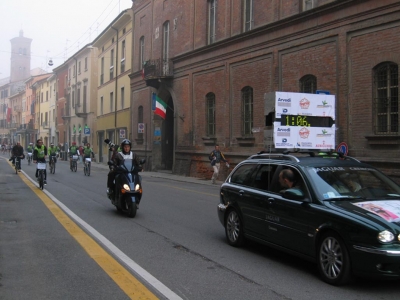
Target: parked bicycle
[(86, 166), (41, 167), (74, 163)]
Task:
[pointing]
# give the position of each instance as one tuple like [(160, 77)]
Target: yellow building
[(81, 95), (41, 103), (114, 46)]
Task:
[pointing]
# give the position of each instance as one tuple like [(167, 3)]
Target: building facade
[(212, 62), (113, 86)]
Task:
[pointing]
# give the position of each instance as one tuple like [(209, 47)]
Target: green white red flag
[(160, 106)]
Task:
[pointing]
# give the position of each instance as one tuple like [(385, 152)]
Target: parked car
[(345, 228)]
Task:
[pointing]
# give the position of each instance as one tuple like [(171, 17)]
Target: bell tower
[(20, 58)]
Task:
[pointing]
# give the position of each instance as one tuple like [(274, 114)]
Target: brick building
[(212, 62)]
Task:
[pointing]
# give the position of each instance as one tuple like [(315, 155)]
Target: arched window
[(386, 98), (247, 110), (308, 84), (210, 114)]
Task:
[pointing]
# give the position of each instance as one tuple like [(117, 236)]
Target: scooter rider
[(39, 155), (118, 159)]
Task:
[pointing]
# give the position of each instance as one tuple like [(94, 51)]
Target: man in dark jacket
[(118, 159), (17, 151)]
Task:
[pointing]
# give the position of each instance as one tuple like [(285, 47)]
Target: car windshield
[(352, 182)]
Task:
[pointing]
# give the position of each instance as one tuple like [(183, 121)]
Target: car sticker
[(389, 210)]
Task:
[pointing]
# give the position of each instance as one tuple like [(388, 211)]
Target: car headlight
[(385, 236)]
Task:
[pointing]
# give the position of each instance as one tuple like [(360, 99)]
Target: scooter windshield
[(128, 163)]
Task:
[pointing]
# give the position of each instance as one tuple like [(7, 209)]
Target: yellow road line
[(125, 280)]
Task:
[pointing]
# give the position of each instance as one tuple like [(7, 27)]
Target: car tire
[(333, 260), (234, 228)]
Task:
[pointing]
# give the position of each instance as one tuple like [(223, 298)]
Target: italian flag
[(161, 107)]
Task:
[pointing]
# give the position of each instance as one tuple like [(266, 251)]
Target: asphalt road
[(175, 247)]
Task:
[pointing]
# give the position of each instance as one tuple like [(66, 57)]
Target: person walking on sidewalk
[(216, 156)]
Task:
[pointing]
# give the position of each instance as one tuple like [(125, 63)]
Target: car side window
[(296, 181), (243, 175), (263, 177)]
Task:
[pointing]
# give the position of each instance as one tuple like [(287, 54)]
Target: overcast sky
[(58, 28)]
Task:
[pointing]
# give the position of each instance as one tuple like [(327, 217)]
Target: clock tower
[(20, 58)]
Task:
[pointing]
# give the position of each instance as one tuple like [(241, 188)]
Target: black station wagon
[(340, 213)]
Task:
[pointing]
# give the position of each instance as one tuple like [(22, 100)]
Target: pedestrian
[(80, 150), (216, 156)]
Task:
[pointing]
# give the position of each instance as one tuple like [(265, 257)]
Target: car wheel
[(333, 260), (234, 229)]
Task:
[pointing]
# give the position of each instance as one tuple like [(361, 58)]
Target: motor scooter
[(128, 187)]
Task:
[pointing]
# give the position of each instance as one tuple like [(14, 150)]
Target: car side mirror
[(110, 163), (294, 194)]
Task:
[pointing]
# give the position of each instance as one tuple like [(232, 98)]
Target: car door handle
[(241, 192), (271, 201)]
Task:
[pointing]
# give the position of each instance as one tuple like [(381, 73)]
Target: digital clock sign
[(306, 121)]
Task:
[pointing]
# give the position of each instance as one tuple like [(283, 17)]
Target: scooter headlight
[(137, 187), (126, 187)]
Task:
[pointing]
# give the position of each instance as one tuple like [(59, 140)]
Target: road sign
[(140, 127), (342, 147), (86, 131), (322, 92)]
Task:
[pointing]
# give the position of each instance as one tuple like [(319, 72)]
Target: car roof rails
[(275, 155), (286, 155)]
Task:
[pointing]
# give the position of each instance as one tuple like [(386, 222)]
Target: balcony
[(18, 109), (80, 110), (157, 71)]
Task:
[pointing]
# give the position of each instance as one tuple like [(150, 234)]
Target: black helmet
[(126, 142)]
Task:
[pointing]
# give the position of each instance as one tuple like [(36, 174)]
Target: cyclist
[(17, 151), (29, 149), (53, 152), (73, 150), (39, 155), (87, 152)]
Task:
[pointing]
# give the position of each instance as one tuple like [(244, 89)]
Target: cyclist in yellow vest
[(39, 155), (73, 150)]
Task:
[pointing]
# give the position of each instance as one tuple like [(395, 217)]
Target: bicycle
[(29, 158), (52, 164), (74, 163), (41, 167), (86, 166), (17, 164)]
